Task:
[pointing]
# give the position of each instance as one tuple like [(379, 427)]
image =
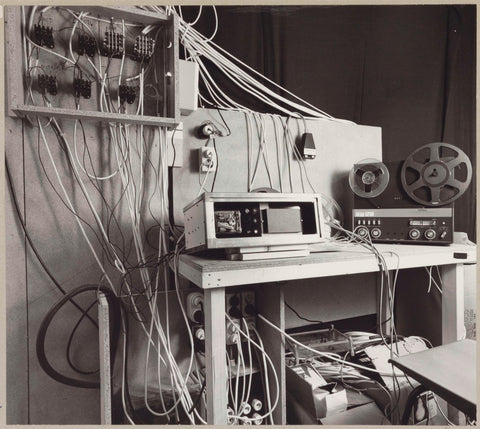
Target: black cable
[(97, 186), (32, 246), (70, 339), (63, 145), (106, 250), (114, 304), (226, 125), (171, 214), (412, 397), (301, 317), (197, 399)]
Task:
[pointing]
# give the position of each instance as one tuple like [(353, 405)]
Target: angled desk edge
[(447, 370)]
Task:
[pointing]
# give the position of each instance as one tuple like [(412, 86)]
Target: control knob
[(430, 234), (375, 232), (362, 232), (414, 234)]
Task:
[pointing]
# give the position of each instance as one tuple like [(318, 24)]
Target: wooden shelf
[(208, 273), (128, 13), (26, 110)]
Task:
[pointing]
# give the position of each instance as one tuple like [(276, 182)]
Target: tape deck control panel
[(410, 201)]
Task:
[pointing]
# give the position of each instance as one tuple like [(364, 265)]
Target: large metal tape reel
[(436, 174)]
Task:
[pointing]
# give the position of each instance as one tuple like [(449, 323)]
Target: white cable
[(323, 354), (44, 139), (202, 185), (267, 384), (275, 376), (249, 347)]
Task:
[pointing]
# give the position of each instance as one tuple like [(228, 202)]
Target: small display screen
[(423, 222)]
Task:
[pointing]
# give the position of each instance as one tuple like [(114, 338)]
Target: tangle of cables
[(119, 201), (114, 223)]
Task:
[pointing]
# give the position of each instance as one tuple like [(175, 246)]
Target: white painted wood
[(215, 359), (383, 309), (216, 273), (16, 296), (128, 13), (13, 42), (104, 359), (270, 300), (339, 146), (452, 302)]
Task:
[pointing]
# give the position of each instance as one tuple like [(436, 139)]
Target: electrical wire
[(42, 332)]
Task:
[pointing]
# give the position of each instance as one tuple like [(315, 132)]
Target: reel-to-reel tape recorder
[(410, 201)]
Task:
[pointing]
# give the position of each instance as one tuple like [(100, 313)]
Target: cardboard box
[(368, 414), (318, 398)]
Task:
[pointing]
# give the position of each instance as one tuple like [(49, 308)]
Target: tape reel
[(368, 178), (436, 174)]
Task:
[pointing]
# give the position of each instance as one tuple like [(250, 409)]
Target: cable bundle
[(199, 48), (133, 276)]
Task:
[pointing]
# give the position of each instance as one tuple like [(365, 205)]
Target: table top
[(448, 370), (212, 272)]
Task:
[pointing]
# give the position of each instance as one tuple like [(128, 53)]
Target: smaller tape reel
[(436, 174), (368, 178)]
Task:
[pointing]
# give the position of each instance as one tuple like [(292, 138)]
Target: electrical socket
[(231, 331), (207, 159), (194, 301), (248, 309), (233, 302), (248, 303)]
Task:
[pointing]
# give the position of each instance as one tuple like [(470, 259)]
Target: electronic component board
[(111, 64), (236, 220)]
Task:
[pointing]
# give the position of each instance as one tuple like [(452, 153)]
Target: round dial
[(414, 234), (362, 232), (375, 232), (430, 234)]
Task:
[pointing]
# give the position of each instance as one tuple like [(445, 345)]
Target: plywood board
[(331, 298), (339, 145)]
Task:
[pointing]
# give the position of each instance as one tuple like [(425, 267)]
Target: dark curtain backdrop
[(407, 69)]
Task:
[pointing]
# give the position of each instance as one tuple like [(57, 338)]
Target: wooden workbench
[(215, 275)]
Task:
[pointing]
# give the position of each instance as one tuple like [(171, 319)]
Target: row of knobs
[(374, 232), (414, 233)]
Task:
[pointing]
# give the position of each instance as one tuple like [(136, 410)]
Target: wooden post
[(383, 308), (452, 313), (215, 358), (104, 352), (271, 304), (452, 302)]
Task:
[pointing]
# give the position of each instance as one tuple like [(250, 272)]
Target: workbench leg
[(452, 312), (215, 356), (452, 302), (104, 357), (383, 308), (271, 304)]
